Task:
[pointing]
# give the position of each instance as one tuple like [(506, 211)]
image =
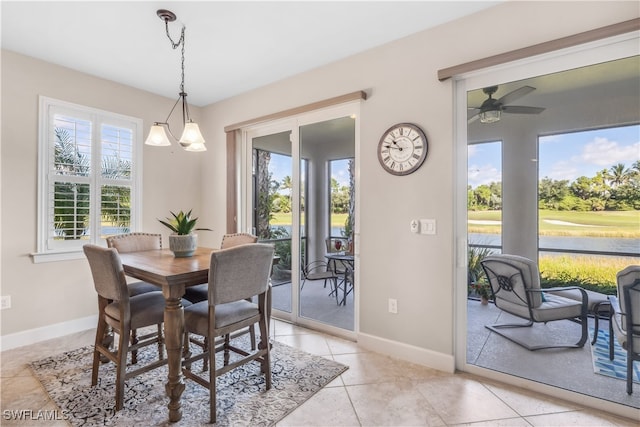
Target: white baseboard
[(31, 336), (409, 353)]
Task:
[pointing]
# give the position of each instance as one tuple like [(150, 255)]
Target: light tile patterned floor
[(375, 390)]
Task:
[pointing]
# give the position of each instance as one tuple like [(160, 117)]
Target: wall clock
[(402, 149)]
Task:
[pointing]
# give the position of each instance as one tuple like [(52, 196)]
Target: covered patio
[(569, 369)]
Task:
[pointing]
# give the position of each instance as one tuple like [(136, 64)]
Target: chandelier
[(191, 139)]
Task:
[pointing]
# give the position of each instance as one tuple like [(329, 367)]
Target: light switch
[(428, 226)]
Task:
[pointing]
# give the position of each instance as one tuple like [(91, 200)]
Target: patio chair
[(625, 318), (515, 285), (319, 270)]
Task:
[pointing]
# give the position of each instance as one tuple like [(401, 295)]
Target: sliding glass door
[(297, 174)]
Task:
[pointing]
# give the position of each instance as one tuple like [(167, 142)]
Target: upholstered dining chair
[(624, 324), (236, 276), (200, 293), (515, 286), (133, 242), (122, 313)]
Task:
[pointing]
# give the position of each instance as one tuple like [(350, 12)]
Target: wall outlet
[(393, 306), (5, 302)]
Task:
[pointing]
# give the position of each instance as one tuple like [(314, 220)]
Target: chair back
[(133, 242), (235, 239), (510, 277), (629, 296), (239, 272), (108, 275)]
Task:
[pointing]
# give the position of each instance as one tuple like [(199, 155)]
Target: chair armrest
[(585, 297), (615, 305)]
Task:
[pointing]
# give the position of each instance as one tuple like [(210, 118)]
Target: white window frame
[(66, 250)]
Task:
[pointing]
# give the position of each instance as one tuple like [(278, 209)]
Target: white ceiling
[(231, 47)]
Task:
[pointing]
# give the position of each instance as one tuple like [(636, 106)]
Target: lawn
[(337, 220), (624, 224)]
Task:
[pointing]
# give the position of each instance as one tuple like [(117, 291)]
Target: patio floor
[(316, 304), (570, 369)]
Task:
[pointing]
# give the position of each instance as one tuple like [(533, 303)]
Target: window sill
[(42, 257)]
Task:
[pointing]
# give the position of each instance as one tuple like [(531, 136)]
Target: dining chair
[(116, 309), (134, 242), (624, 324), (200, 293), (236, 276)]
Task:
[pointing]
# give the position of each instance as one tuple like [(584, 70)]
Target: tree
[(618, 175)]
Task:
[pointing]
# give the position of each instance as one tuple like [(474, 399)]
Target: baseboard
[(408, 353), (32, 336)]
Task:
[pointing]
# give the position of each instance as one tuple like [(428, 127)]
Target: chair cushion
[(197, 293), (556, 308), (137, 288), (196, 316), (593, 298), (146, 309)]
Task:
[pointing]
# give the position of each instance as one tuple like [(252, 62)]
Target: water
[(602, 244)]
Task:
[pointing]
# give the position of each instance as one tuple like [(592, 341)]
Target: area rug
[(616, 368), (241, 401)]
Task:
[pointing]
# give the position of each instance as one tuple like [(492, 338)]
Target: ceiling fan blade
[(516, 94), (473, 118), (519, 109)]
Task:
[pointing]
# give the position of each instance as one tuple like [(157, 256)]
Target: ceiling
[(231, 47)]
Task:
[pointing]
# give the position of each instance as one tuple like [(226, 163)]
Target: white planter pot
[(183, 245)]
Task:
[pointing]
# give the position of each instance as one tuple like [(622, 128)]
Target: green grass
[(589, 272), (624, 224), (337, 220)]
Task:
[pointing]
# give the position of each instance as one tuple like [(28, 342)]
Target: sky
[(281, 166), (566, 156)]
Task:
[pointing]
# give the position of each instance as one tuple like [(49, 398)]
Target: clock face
[(402, 149)]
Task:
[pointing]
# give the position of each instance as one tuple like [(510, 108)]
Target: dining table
[(172, 275), (348, 261)]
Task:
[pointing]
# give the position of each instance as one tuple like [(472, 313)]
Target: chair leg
[(121, 368), (629, 368), (161, 342), (100, 342), (205, 362), (211, 348), (611, 337), (134, 341), (252, 334), (264, 344)]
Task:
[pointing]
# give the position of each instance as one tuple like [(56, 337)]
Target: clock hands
[(394, 146)]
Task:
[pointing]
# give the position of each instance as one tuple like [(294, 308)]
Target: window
[(89, 166)]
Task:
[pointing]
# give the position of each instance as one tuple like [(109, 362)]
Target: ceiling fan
[(491, 109)]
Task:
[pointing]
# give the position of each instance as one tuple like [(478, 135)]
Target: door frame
[(293, 123), (604, 50)]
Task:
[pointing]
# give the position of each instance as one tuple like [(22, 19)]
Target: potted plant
[(182, 242)]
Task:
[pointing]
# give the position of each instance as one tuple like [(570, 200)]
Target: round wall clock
[(402, 149)]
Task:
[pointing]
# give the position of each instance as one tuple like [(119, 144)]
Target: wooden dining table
[(172, 274)]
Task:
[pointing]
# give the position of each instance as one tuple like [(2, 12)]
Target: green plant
[(476, 279), (182, 223)]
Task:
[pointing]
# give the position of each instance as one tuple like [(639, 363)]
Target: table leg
[(174, 331)]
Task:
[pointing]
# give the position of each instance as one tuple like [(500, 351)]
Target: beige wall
[(400, 79), (48, 293)]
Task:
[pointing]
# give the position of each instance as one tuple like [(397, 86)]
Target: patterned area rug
[(242, 399), (616, 368)]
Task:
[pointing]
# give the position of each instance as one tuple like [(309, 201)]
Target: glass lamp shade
[(490, 116), (191, 135), (157, 136), (196, 146)]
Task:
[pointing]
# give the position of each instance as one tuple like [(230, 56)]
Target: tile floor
[(375, 390)]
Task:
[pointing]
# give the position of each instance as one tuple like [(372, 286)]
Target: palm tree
[(618, 175)]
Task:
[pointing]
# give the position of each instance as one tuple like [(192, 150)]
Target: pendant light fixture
[(191, 139)]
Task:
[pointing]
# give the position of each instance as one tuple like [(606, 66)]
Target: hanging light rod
[(191, 139)]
